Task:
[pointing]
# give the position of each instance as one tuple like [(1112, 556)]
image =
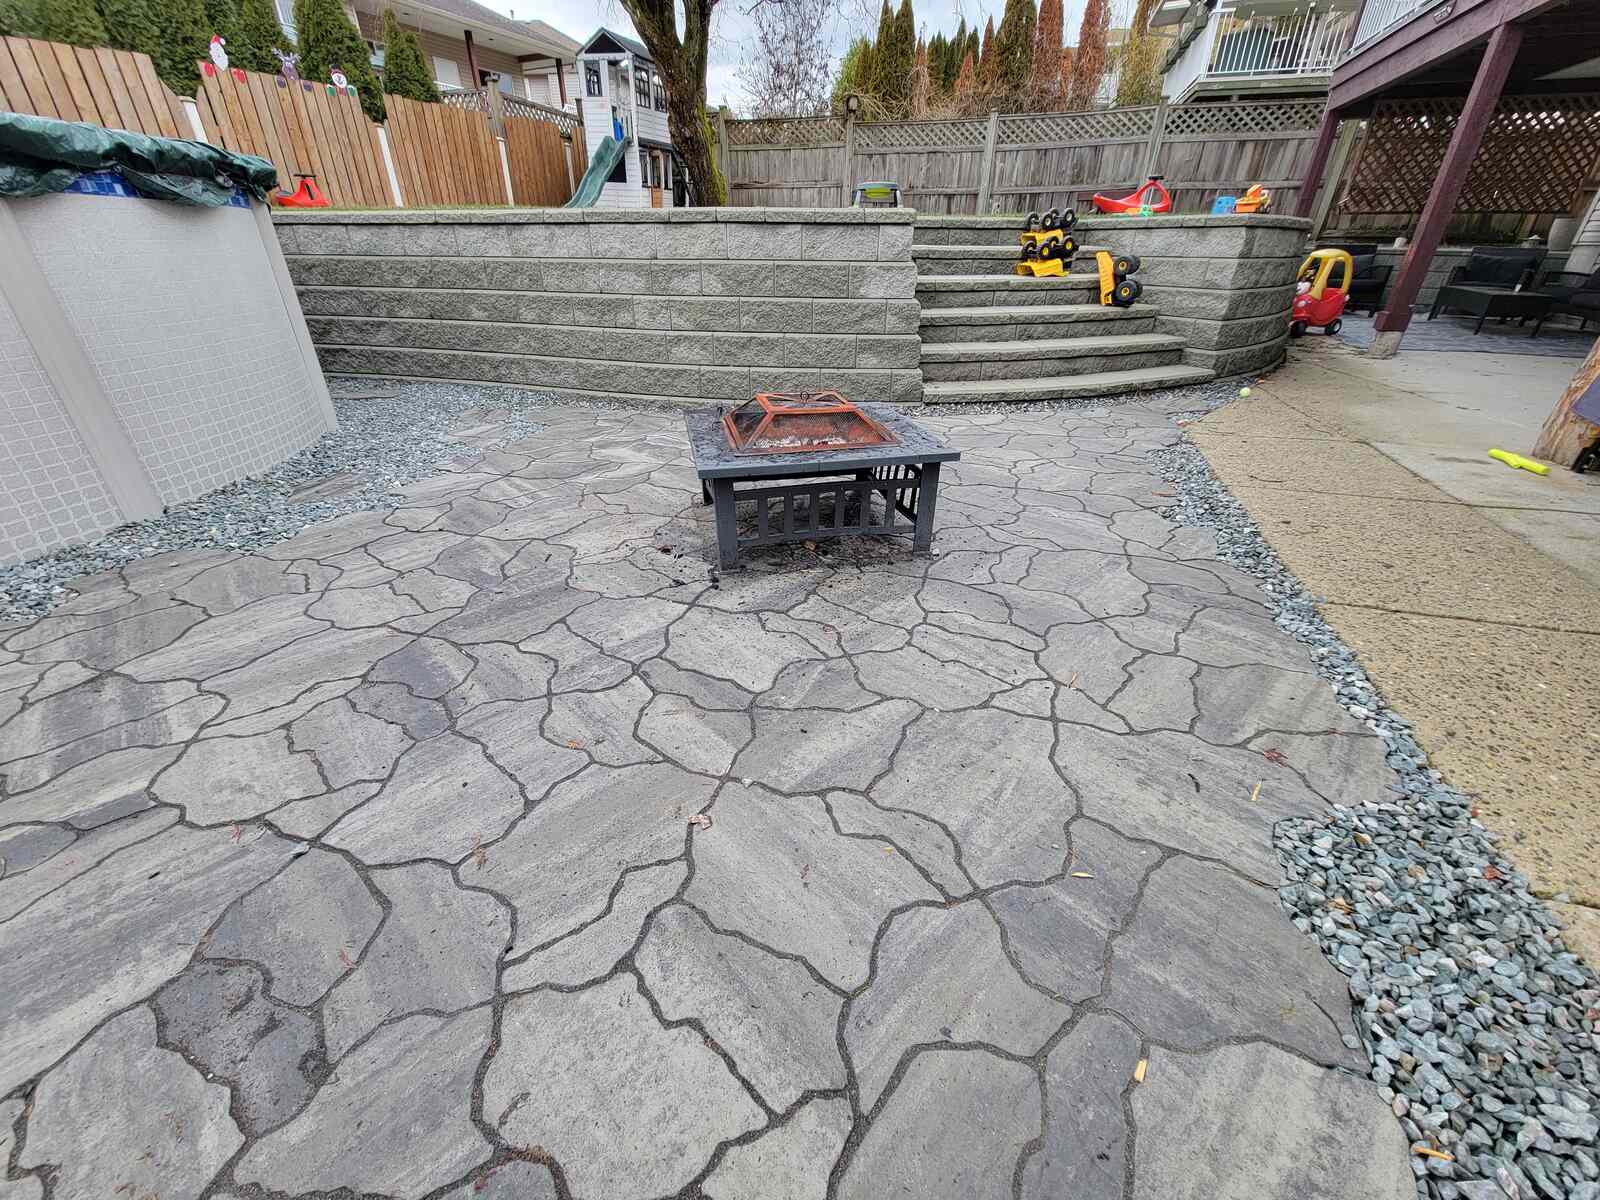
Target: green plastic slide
[(606, 157)]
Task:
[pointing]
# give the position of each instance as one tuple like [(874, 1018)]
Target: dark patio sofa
[(1572, 294)]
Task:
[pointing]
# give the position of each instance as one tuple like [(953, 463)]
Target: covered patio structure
[(1478, 53)]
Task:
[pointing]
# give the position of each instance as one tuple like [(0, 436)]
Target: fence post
[(505, 170), (388, 166), (497, 111), (193, 111), (847, 185), (1152, 150), (986, 170)]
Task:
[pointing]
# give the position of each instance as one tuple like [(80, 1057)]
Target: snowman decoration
[(339, 79)]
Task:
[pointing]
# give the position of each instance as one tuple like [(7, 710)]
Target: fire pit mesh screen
[(796, 422)]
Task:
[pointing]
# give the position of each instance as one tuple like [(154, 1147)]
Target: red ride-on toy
[(1135, 202), (1316, 300), (307, 195)]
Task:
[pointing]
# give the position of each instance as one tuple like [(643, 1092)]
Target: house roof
[(547, 31), (508, 34), (605, 41)]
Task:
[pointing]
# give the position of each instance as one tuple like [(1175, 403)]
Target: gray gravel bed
[(390, 434), (1482, 1029)]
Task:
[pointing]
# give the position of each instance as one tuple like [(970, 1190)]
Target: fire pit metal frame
[(904, 475)]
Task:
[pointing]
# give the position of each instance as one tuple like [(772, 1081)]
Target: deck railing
[(1306, 42), (1381, 16)]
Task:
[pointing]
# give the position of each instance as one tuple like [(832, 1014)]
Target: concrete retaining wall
[(688, 305)]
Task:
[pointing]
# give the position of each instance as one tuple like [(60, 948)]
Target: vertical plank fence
[(114, 88), (540, 167), (444, 154), (305, 128)]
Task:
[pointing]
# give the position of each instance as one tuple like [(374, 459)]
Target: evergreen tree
[(882, 55), (852, 71), (222, 19), (76, 22), (966, 78), (19, 18), (921, 84), (1013, 44), (954, 53), (259, 34), (1044, 85), (182, 39), (405, 71), (1089, 60), (327, 39), (1139, 77), (986, 58), (131, 25), (905, 52)]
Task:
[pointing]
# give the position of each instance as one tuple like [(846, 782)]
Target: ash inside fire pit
[(793, 422)]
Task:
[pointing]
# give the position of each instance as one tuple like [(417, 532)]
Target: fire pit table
[(840, 455)]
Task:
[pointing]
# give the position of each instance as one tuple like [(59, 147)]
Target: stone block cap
[(1102, 221), (596, 216)]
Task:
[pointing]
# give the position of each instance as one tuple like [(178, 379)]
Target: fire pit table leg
[(727, 527), (927, 496)]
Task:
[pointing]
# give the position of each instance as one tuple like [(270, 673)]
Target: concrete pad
[(1508, 715), (1366, 551), (1325, 465)]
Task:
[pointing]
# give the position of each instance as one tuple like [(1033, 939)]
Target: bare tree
[(787, 66), (681, 59)]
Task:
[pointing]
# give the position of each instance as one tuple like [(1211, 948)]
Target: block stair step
[(1062, 387), (1047, 357), (978, 260), (1030, 322), (936, 229), (973, 291)]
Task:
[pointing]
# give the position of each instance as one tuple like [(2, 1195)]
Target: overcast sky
[(730, 27)]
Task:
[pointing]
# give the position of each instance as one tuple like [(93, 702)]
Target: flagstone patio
[(495, 846)]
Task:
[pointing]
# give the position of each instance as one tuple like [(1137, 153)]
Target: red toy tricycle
[(1316, 300), (1135, 202)]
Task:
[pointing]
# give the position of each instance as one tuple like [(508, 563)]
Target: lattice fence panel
[(1251, 117), (466, 99), (1110, 124), (1535, 157), (786, 131), (920, 135), (564, 122)]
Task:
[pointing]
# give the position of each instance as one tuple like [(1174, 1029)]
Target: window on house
[(644, 167), (591, 80), (641, 86), (655, 170), (445, 72), (375, 53), (661, 95)]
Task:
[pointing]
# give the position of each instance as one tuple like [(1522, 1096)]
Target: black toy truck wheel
[(1033, 222), (1069, 219), (1052, 218), (1050, 249), (1124, 265), (1069, 247), (1297, 329), (1030, 251), (1333, 327), (1126, 291)]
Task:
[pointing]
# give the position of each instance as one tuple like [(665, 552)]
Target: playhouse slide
[(606, 157)]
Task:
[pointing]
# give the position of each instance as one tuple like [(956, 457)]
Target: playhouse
[(624, 98)]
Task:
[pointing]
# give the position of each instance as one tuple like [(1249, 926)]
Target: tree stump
[(1566, 434)]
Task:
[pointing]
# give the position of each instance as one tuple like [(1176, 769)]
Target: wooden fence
[(304, 128), (114, 88), (434, 154), (1026, 161)]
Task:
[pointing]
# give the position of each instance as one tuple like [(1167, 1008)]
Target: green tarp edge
[(39, 155)]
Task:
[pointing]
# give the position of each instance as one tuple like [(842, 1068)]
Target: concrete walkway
[(1471, 591), (493, 847)]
